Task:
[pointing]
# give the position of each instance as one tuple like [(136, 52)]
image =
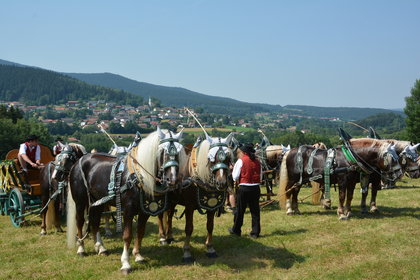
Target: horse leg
[(289, 210), (342, 198), (44, 216), (325, 202), (127, 236), (80, 222), (189, 227), (350, 192), (94, 221), (211, 252), (162, 218), (375, 187), (108, 231), (169, 235), (141, 228), (57, 222), (364, 184), (295, 206)]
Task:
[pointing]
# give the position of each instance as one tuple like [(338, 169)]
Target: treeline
[(14, 130), (36, 86)]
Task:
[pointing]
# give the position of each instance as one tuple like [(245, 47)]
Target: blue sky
[(321, 53)]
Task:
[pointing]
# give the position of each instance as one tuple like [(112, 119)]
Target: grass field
[(314, 245)]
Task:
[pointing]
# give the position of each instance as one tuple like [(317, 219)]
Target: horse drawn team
[(158, 173)]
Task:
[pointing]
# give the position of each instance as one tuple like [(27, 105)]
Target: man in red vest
[(247, 173), (30, 154)]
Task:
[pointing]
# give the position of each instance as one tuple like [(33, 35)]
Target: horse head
[(389, 163), (410, 161), (170, 158), (65, 160), (219, 157)]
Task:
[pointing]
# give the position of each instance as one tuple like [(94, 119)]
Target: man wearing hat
[(247, 173), (58, 146), (30, 154)]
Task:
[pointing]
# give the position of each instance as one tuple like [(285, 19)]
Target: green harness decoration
[(209, 201), (327, 172), (155, 205)]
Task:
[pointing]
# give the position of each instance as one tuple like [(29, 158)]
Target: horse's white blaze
[(173, 174), (221, 173), (54, 174), (125, 257)]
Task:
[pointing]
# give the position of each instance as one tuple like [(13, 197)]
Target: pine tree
[(412, 110)]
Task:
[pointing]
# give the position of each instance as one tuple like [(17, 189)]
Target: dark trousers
[(247, 196)]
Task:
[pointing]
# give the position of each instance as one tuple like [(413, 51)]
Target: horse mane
[(78, 147), (203, 171), (371, 143), (146, 155)]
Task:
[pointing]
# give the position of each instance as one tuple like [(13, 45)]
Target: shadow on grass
[(389, 212), (239, 253)]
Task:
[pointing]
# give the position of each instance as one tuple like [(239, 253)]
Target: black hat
[(32, 137), (58, 139), (247, 148)]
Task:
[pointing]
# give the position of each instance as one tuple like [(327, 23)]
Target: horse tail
[(284, 180), (71, 220), (51, 215), (316, 193)]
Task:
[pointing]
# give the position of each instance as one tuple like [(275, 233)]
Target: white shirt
[(236, 173), (23, 147)]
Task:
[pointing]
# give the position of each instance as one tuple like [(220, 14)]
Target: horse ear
[(414, 148), (208, 138), (178, 136), (160, 133), (228, 139)]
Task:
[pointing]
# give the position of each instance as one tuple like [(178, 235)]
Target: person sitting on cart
[(58, 146), (30, 154)]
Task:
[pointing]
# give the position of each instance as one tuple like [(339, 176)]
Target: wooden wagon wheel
[(16, 207)]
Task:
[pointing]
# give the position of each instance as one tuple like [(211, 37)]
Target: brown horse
[(209, 170), (53, 175), (150, 170), (369, 155), (410, 163)]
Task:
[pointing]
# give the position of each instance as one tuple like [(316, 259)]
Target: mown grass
[(314, 245)]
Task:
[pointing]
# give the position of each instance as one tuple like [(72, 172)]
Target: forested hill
[(54, 88), (175, 96), (35, 86)]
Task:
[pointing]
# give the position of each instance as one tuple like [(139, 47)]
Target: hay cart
[(17, 200)]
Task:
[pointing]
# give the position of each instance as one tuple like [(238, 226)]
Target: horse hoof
[(290, 213), (60, 230), (82, 254), (170, 240), (141, 261), (374, 210), (163, 242), (125, 271), (212, 255), (43, 233), (326, 207), (104, 253), (188, 260), (343, 218)]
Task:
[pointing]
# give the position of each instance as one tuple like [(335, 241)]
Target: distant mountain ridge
[(179, 97)]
